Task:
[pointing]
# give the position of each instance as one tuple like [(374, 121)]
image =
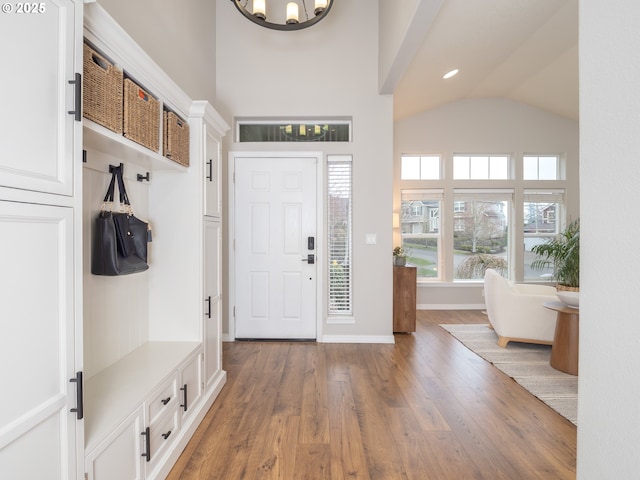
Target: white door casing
[(275, 207)]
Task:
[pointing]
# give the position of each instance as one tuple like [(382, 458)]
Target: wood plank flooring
[(425, 408)]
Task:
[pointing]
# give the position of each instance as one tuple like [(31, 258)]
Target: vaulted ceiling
[(524, 50)]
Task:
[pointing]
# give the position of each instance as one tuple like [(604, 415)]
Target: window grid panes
[(293, 131), (481, 234), (540, 167), (481, 167), (420, 229), (339, 185), (420, 167), (542, 210)]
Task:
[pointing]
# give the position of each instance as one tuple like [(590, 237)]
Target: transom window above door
[(300, 130)]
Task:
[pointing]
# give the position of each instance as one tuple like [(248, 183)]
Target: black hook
[(143, 177), (113, 168)]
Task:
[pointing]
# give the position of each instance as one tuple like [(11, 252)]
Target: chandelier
[(261, 14)]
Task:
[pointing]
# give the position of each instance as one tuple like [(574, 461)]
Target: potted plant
[(563, 253), (399, 257)]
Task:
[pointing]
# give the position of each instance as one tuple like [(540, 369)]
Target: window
[(541, 214), (425, 167), (481, 232), (540, 167), (339, 181), (480, 167), (293, 131), (420, 229), (456, 226)]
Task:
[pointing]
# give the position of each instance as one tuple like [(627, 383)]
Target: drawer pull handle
[(165, 400), (147, 444), (184, 404), (166, 435)]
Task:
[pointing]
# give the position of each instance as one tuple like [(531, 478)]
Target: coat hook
[(112, 168), (143, 177)]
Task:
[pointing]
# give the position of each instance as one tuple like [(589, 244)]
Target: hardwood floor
[(425, 408)]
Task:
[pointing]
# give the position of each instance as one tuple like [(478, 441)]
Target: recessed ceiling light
[(450, 74)]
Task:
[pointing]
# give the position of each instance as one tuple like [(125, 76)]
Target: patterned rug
[(526, 363)]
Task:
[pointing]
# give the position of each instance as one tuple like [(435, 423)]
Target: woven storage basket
[(176, 138), (141, 116), (102, 85)]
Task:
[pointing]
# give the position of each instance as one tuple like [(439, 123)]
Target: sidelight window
[(339, 219)]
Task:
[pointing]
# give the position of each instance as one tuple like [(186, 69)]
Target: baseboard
[(227, 337), (451, 306), (356, 339)]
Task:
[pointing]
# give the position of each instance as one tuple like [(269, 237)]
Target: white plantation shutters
[(339, 181)]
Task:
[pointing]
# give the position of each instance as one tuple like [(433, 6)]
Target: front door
[(275, 247)]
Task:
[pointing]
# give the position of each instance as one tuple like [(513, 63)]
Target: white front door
[(275, 226)]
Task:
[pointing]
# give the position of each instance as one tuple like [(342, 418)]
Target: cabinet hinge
[(234, 312)]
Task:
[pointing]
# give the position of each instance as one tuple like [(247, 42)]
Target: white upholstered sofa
[(516, 310)]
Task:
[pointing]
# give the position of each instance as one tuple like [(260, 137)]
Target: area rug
[(526, 363)]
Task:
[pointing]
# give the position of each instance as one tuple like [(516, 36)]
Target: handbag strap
[(125, 204), (108, 198), (124, 198)]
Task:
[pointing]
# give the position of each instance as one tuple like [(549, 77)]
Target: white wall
[(609, 387), (179, 36), (328, 70), (489, 125)]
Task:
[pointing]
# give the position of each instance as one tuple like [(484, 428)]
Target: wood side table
[(564, 352), (404, 299)]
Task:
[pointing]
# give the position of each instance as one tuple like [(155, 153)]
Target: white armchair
[(516, 311)]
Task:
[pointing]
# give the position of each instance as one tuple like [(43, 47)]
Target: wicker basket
[(102, 85), (176, 138), (141, 116)]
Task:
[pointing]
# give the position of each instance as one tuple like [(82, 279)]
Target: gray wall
[(328, 70), (178, 35), (609, 387)]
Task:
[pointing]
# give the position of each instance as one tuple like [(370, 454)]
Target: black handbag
[(119, 245)]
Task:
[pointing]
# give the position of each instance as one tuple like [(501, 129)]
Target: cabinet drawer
[(162, 401), (161, 435)]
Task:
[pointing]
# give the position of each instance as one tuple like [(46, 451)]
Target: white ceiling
[(524, 50)]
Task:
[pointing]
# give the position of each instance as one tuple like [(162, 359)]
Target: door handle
[(311, 259), (79, 410), (77, 103)]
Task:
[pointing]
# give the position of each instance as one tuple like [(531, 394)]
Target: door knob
[(311, 259)]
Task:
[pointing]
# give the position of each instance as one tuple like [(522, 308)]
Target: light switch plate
[(371, 239)]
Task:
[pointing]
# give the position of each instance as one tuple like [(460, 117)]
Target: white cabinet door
[(37, 342), (39, 51), (122, 454), (212, 172), (190, 384), (212, 297)]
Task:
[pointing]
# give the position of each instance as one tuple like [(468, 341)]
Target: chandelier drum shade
[(283, 14)]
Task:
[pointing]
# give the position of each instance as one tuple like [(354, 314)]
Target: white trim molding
[(357, 339)]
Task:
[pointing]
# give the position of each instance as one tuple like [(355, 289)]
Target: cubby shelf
[(104, 140)]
